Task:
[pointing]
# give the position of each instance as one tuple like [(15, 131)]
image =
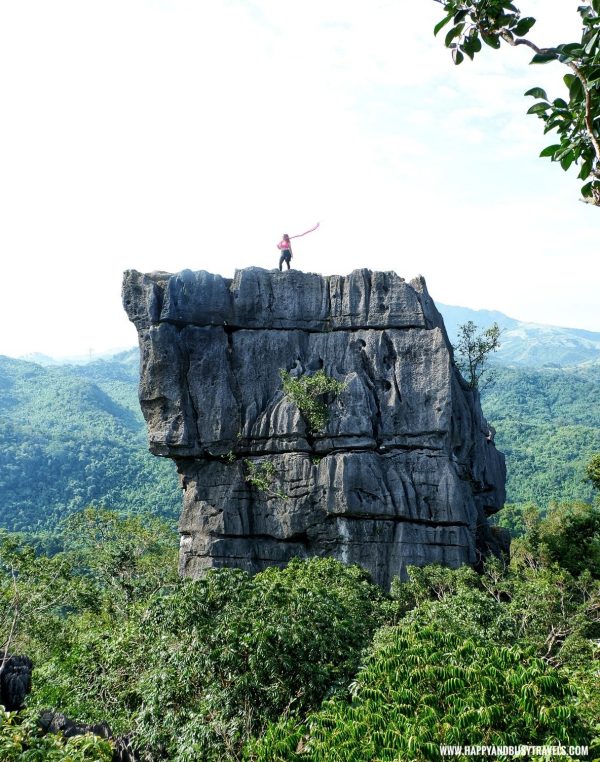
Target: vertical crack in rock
[(402, 473)]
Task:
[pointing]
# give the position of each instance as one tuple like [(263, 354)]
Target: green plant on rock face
[(307, 393), (261, 476)]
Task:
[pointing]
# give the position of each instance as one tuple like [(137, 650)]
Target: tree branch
[(589, 125)]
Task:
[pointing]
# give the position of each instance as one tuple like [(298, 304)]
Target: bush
[(570, 536), (197, 671), (422, 687), (309, 393), (20, 740)]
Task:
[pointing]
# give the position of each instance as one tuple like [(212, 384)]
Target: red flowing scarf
[(305, 232)]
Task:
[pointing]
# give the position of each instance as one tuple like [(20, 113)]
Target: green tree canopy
[(593, 471), (472, 350)]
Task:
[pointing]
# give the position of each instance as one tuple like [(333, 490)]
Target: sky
[(172, 134)]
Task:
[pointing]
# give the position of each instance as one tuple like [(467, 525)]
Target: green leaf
[(586, 190), (576, 91), (538, 108), (592, 44), (537, 92), (457, 56), (585, 170), (567, 160), (441, 24), (454, 32), (458, 17), (492, 40), (471, 45), (565, 150), (550, 150), (524, 26), (541, 58), (571, 49)]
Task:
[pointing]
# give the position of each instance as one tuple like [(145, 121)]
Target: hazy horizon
[(109, 351)]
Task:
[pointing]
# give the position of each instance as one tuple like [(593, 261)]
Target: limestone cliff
[(401, 474)]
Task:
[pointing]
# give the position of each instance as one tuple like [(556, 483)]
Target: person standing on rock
[(285, 247)]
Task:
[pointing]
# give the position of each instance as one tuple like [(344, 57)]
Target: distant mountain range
[(46, 361), (531, 345), (526, 345)]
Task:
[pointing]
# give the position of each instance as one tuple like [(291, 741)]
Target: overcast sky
[(171, 134)]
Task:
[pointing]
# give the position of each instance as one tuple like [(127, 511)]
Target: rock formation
[(15, 681), (402, 473)]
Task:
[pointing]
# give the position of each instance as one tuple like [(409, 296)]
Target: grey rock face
[(403, 472)]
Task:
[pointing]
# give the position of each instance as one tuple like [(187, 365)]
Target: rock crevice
[(402, 473)]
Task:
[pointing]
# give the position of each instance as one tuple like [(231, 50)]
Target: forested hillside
[(73, 436), (548, 426)]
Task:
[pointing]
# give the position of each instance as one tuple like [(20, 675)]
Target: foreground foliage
[(21, 741), (310, 662), (193, 669), (421, 687), (510, 655)]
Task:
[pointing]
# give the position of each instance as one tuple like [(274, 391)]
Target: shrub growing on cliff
[(309, 394), (262, 475)]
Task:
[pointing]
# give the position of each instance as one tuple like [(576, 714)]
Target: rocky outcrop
[(15, 681), (403, 472), (55, 722)]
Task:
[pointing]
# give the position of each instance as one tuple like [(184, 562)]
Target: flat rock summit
[(403, 473)]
